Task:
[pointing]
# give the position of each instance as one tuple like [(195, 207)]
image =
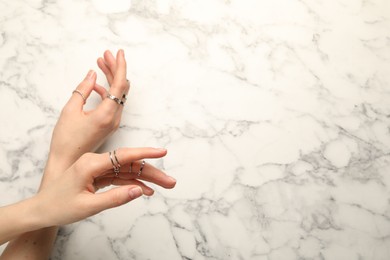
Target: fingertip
[(100, 61), (107, 52), (163, 151), (170, 182), (120, 57), (90, 75), (148, 191)]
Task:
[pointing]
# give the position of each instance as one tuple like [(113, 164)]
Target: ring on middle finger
[(114, 98), (117, 100), (124, 98), (141, 168)]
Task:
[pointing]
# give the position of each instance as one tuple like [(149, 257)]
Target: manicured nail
[(135, 192), (172, 179), (90, 74)]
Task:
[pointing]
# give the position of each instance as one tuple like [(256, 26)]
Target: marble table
[(276, 116)]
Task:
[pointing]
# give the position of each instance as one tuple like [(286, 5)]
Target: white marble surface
[(276, 115)]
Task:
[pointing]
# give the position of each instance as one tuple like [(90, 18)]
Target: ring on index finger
[(115, 165), (81, 94)]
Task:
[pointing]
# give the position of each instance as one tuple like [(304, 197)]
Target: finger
[(83, 91), (102, 182), (149, 174), (103, 66), (98, 164), (121, 68), (110, 61), (114, 197), (152, 174), (120, 85), (120, 77), (100, 90)]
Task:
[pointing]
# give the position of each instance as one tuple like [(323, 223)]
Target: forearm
[(19, 218), (36, 244)]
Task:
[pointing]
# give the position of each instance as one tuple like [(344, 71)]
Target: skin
[(73, 174), (76, 190)]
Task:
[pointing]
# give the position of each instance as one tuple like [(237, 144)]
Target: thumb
[(115, 197), (83, 90)]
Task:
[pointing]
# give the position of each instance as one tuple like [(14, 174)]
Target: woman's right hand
[(72, 196), (79, 131)]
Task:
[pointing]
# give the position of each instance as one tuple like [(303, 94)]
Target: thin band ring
[(114, 98), (117, 100), (141, 168), (116, 167), (81, 94)]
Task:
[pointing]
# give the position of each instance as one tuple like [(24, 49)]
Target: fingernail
[(122, 52), (172, 179), (135, 192), (161, 149), (149, 192), (90, 74)]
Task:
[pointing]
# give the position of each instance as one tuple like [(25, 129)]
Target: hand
[(78, 131), (75, 189)]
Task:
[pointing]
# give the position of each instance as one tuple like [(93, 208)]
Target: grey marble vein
[(276, 116)]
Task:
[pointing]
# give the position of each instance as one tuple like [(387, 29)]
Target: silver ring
[(121, 101), (81, 94), (114, 98), (116, 159), (141, 168), (116, 167)]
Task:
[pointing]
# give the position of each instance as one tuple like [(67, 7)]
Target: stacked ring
[(116, 165)]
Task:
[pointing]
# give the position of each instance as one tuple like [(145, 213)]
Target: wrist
[(35, 219), (54, 168), (59, 162), (21, 217)]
